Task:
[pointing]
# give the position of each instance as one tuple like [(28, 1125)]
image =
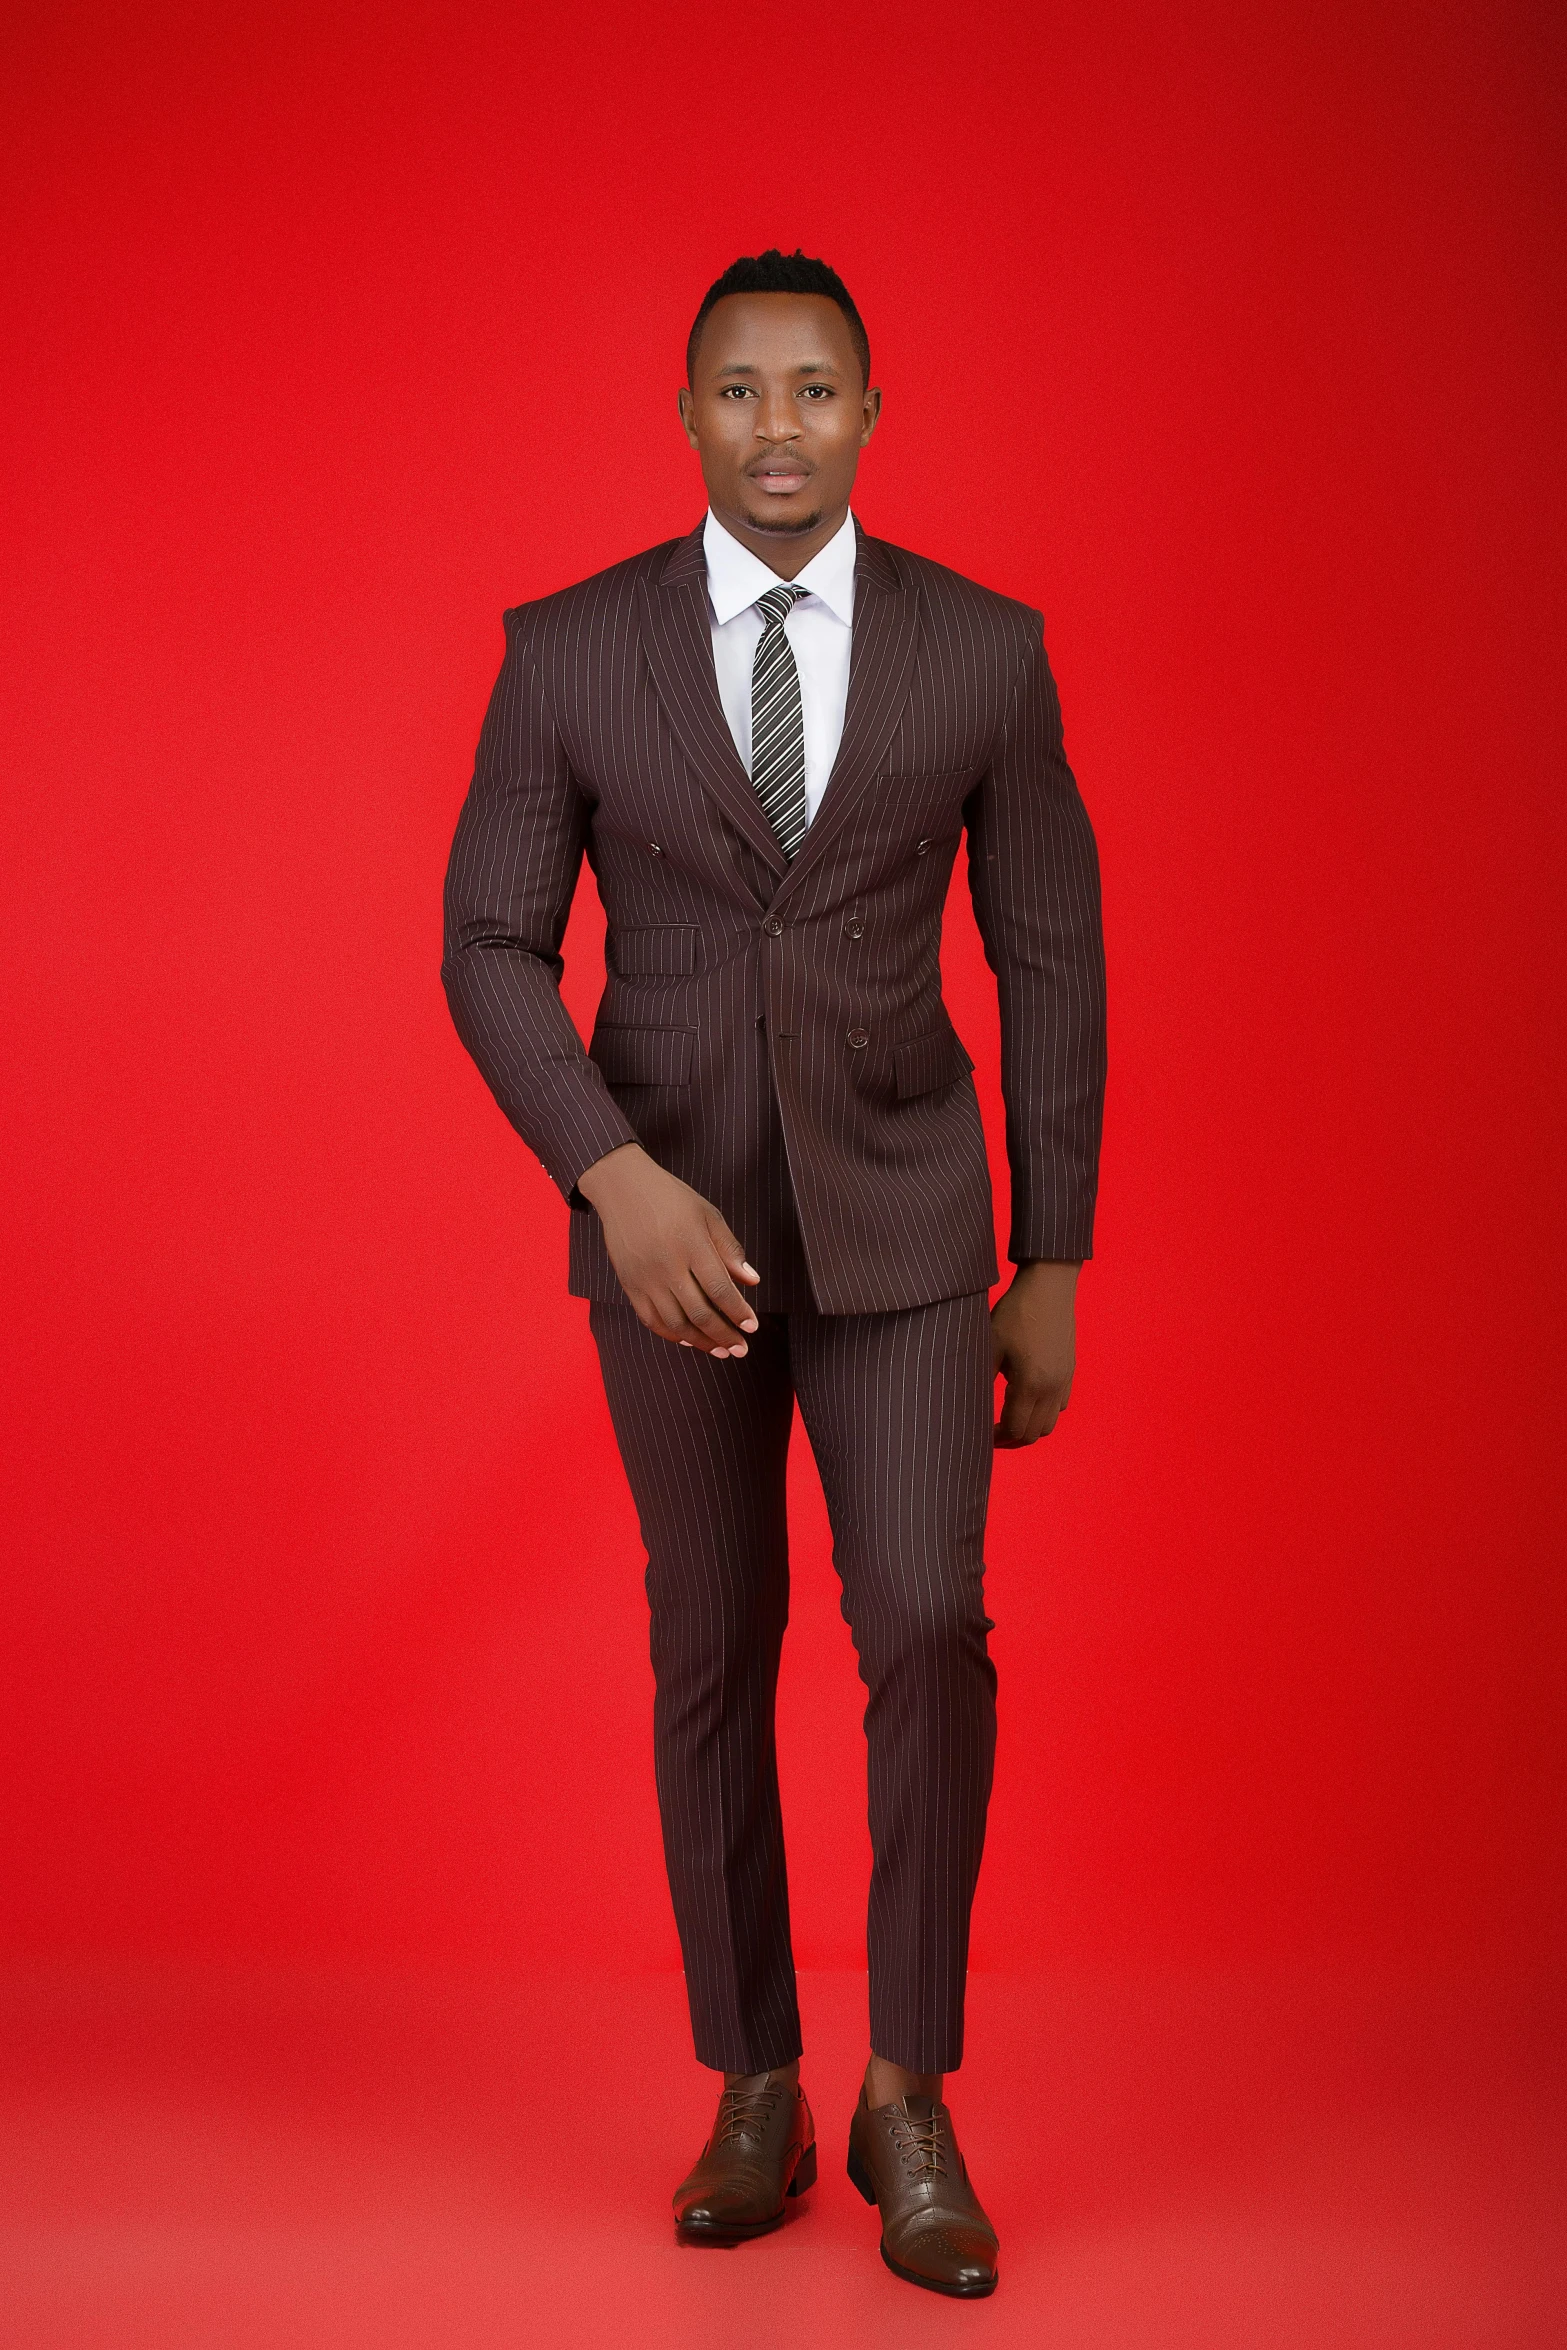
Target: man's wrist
[(605, 1173)]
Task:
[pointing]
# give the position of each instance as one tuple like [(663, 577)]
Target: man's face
[(778, 413)]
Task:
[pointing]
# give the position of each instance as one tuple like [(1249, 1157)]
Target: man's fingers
[(661, 1312), (683, 1315), (1018, 1405), (1026, 1415), (669, 1322), (709, 1274), (730, 1249), (1009, 1428), (703, 1317), (661, 1319)]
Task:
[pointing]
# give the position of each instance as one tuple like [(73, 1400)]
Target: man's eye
[(735, 392), (817, 391)]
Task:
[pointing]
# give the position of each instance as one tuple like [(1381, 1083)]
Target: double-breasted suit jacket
[(761, 1011)]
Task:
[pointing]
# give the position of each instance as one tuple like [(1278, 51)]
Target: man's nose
[(776, 419)]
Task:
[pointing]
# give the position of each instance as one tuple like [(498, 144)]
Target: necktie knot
[(776, 604)]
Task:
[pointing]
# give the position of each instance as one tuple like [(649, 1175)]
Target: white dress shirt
[(819, 628)]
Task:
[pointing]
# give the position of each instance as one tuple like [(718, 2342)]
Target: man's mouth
[(780, 477)]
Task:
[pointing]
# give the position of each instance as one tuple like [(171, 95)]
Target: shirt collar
[(736, 577)]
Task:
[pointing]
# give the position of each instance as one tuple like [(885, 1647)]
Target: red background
[(1232, 338)]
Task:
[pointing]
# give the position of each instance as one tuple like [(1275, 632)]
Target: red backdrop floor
[(244, 2162)]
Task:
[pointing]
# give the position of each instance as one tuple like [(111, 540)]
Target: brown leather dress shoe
[(763, 2148), (905, 2158)]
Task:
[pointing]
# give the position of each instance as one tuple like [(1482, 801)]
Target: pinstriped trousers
[(898, 1408)]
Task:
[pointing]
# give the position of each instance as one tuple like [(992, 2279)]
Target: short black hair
[(773, 272)]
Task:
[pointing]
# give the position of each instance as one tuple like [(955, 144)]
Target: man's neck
[(785, 552)]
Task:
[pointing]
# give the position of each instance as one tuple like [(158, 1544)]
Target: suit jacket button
[(920, 846), (855, 929), (653, 845), (773, 926), (859, 1038)]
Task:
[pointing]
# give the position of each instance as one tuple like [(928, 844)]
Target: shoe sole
[(742, 2231), (860, 2178)]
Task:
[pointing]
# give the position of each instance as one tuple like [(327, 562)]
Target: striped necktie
[(777, 723)]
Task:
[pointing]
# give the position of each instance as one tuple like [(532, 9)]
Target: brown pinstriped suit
[(773, 1032)]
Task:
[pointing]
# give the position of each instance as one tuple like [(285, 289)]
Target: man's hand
[(674, 1255), (1033, 1329)]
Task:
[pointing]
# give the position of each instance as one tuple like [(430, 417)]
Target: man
[(767, 737)]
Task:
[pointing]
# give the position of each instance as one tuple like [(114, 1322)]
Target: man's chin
[(781, 526)]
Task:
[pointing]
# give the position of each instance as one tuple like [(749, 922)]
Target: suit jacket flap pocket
[(656, 950), (644, 1056), (924, 1062)]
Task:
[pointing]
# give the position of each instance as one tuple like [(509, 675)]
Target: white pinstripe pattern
[(772, 1030), (805, 1016), (897, 1407)]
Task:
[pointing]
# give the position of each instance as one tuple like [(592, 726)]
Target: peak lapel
[(678, 642), (886, 632)]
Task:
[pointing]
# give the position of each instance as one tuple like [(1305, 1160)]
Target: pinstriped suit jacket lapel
[(677, 639), (678, 642), (886, 633)]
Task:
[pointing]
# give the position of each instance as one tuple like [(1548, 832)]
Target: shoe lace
[(921, 2142), (743, 2113)]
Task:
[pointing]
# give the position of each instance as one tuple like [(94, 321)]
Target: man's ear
[(872, 413), (687, 407)]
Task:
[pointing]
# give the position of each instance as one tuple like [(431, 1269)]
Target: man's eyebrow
[(806, 367)]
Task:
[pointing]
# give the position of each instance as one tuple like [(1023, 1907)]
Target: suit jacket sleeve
[(513, 873), (1034, 878)]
